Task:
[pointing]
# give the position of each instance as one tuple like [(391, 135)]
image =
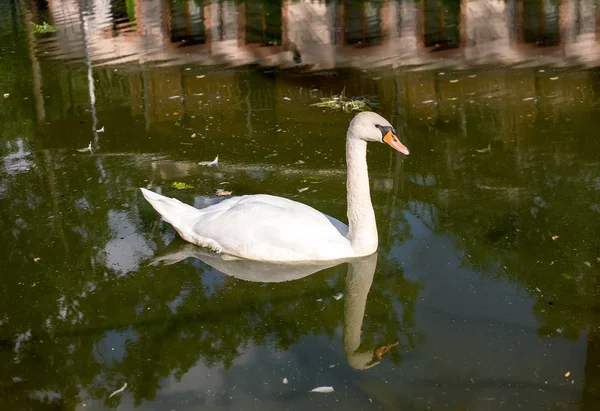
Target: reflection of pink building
[(328, 34)]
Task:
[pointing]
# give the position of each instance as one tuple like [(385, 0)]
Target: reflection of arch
[(362, 22), (358, 283), (441, 23), (186, 22), (258, 28), (541, 22)]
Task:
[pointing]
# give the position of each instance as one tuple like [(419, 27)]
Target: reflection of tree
[(504, 219), (73, 310)]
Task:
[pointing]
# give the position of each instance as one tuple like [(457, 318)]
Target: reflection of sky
[(128, 247), (18, 160), (112, 346)]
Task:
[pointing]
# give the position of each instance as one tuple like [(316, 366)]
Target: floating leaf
[(181, 186), (567, 276)]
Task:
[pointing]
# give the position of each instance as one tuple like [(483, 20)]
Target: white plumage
[(275, 229)]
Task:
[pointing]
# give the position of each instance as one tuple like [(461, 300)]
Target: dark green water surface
[(487, 272)]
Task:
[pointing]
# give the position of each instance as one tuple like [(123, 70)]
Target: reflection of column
[(151, 22), (409, 26), (222, 27), (310, 31), (35, 65), (487, 29), (578, 29), (65, 13)]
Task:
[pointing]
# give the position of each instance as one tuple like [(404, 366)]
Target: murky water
[(487, 271)]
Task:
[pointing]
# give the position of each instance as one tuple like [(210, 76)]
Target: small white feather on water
[(323, 390), (210, 163), (338, 296), (85, 149), (100, 130), (120, 390)]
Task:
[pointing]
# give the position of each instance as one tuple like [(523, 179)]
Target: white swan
[(274, 229)]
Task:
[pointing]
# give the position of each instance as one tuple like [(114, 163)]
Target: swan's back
[(269, 228)]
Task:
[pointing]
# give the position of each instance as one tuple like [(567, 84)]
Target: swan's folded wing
[(270, 228)]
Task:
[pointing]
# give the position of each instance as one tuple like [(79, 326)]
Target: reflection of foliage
[(74, 309), (504, 219)]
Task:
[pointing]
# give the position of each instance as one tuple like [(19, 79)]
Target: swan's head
[(370, 126)]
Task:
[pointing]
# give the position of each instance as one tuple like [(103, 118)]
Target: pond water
[(485, 287)]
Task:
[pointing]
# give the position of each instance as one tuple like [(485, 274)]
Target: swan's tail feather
[(171, 210)]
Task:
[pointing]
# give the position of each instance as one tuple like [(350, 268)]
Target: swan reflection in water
[(358, 283)]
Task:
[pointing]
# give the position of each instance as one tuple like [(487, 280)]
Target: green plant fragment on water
[(44, 28), (181, 186)]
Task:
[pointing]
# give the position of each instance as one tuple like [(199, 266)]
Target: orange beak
[(391, 139)]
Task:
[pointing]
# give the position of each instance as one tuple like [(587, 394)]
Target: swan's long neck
[(361, 216)]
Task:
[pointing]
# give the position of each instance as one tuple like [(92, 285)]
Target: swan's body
[(275, 229)]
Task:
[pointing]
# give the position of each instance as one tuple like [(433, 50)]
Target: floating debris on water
[(85, 149), (338, 296), (101, 130), (554, 237), (323, 390), (210, 163), (181, 186), (174, 97), (120, 390), (285, 380), (6, 95), (287, 98), (301, 190), (485, 150), (221, 192), (346, 104)]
